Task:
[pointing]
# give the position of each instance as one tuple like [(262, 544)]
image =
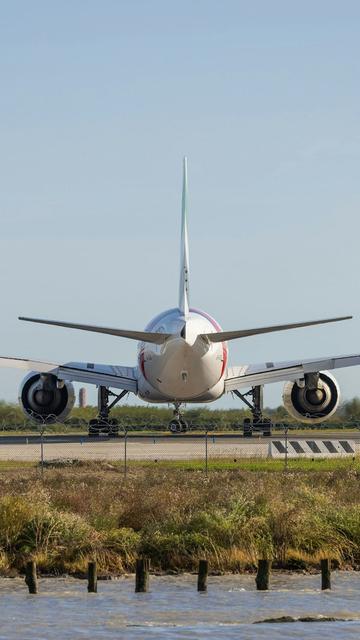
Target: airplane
[(182, 359)]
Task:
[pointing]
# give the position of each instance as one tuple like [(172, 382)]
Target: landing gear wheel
[(175, 426), (267, 424), (178, 424), (103, 425), (257, 423), (247, 428), (113, 427), (98, 427)]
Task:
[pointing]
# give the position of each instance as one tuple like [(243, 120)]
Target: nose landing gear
[(178, 423)]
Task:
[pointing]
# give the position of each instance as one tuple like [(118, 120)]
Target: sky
[(99, 102)]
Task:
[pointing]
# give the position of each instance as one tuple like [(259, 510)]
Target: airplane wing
[(268, 372), (105, 375)]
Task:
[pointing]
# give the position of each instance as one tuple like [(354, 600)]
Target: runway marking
[(147, 449)]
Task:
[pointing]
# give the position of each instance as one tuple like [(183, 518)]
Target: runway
[(152, 448)]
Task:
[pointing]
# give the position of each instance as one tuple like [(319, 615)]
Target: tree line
[(142, 416)]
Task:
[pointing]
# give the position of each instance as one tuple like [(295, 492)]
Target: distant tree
[(351, 409)]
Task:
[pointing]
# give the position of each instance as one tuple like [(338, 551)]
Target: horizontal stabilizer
[(142, 336), (223, 336)]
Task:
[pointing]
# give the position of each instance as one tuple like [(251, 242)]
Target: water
[(174, 610)]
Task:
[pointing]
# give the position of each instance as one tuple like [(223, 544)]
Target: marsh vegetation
[(233, 516)]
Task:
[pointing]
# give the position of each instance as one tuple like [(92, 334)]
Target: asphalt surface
[(151, 448), (136, 436)]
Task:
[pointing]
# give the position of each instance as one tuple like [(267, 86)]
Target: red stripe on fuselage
[(142, 362), (225, 359), (208, 317)]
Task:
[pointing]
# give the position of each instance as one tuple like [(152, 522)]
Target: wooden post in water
[(31, 577), (92, 577), (325, 564), (202, 575), (263, 575), (142, 575)]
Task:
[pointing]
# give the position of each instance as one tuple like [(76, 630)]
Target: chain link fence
[(201, 448)]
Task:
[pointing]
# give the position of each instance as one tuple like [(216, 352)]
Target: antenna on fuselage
[(184, 250)]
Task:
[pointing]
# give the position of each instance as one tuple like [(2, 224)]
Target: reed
[(176, 517)]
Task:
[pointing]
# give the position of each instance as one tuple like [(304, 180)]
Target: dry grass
[(176, 516)]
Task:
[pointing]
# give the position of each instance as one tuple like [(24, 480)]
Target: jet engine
[(313, 399), (45, 398)]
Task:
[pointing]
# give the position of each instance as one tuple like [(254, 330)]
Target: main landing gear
[(178, 424), (103, 424), (256, 424)]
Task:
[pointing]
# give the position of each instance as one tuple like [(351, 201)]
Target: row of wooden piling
[(143, 569), (264, 569), (141, 576)]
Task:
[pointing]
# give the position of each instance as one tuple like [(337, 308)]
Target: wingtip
[(340, 318)]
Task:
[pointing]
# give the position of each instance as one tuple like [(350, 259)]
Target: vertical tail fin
[(184, 250)]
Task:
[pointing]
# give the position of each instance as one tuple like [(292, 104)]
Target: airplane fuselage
[(185, 368)]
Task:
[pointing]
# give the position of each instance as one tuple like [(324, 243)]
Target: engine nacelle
[(315, 401), (45, 398)]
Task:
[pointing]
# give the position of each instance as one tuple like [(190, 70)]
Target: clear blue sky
[(100, 101)]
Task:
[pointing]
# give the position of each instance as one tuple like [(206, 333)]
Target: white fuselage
[(185, 368)]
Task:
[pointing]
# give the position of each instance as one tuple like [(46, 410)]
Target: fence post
[(263, 575), (31, 577), (125, 454), (206, 452), (286, 446), (325, 564), (92, 577), (142, 575), (42, 451), (202, 575)]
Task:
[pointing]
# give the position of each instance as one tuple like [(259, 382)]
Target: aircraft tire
[(247, 428), (113, 427), (175, 426), (267, 428), (98, 427)]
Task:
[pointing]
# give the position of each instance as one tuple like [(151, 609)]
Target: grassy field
[(250, 464), (309, 465), (235, 514)]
